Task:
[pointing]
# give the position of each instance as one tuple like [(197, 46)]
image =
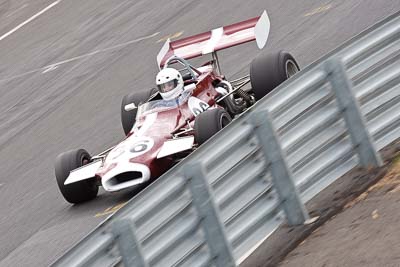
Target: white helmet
[(170, 83)]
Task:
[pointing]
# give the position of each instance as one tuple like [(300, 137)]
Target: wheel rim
[(291, 68), (90, 183)]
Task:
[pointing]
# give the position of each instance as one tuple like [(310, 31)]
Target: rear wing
[(208, 42)]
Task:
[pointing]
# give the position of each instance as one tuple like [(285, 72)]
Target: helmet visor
[(168, 86)]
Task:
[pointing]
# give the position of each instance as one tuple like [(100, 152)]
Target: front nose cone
[(125, 175)]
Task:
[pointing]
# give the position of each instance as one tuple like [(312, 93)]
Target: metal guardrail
[(226, 198)]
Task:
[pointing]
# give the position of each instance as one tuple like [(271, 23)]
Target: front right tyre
[(209, 123), (77, 192)]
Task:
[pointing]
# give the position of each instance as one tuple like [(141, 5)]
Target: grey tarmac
[(63, 74)]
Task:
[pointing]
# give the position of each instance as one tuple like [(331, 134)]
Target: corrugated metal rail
[(226, 198)]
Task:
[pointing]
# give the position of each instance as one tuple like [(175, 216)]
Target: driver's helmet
[(169, 83)]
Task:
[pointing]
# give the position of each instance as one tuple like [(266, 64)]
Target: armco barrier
[(226, 198)]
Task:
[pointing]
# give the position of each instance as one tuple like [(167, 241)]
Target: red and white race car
[(159, 132)]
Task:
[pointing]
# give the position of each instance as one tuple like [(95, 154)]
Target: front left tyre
[(77, 192)]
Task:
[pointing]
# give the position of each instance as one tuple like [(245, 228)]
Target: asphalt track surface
[(65, 66)]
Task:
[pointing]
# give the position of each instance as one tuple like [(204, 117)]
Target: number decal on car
[(197, 106), (141, 146), (131, 148)]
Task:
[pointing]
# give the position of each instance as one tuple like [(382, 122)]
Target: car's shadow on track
[(105, 203)]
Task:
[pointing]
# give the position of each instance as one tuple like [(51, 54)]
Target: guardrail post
[(346, 100), (294, 208), (211, 222), (128, 243)]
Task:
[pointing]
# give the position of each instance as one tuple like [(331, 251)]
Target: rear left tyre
[(128, 118), (209, 123), (80, 191)]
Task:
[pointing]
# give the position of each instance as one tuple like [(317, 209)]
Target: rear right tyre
[(267, 71)]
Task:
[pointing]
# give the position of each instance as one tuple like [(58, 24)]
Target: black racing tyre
[(76, 192), (128, 118), (209, 123), (267, 71)]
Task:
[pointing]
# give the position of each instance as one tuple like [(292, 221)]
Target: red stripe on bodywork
[(191, 40), (250, 23)]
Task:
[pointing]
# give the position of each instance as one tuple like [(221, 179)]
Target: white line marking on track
[(50, 68), (17, 10), (20, 75), (318, 10), (55, 65), (171, 36), (29, 20), (101, 50)]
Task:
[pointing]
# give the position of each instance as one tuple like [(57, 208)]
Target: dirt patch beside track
[(356, 225)]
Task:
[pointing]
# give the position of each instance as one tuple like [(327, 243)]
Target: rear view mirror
[(130, 107)]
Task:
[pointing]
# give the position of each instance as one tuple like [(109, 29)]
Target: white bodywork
[(110, 183), (174, 146), (261, 30), (119, 157), (86, 172)]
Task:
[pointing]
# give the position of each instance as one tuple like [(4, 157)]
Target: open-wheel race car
[(190, 105)]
